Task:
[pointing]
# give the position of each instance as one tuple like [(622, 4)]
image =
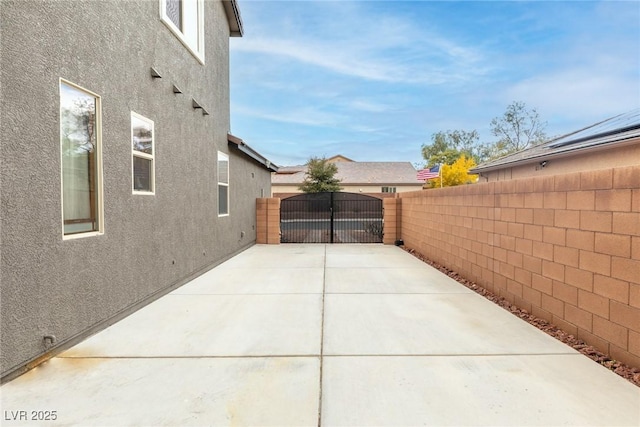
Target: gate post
[(392, 220), (268, 221), (331, 219)]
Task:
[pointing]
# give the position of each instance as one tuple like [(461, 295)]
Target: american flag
[(425, 174)]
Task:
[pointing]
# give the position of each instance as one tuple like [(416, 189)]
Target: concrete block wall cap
[(596, 180), (567, 182), (627, 177)]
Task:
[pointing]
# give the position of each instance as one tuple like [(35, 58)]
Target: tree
[(455, 174), (320, 176), (448, 146), (518, 128)]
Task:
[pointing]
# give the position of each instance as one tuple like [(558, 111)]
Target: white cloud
[(350, 39), (417, 66), (578, 93), (325, 57), (307, 116), (368, 106)]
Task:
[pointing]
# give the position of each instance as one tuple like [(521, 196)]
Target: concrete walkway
[(352, 335)]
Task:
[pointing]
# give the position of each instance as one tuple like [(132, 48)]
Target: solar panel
[(618, 124)]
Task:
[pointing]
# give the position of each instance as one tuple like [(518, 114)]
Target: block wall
[(268, 221), (391, 231), (565, 247)]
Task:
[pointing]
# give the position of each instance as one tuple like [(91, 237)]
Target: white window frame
[(98, 165), (198, 50), (143, 155), (223, 157)]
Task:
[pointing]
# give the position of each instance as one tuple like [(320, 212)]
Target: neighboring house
[(118, 179), (614, 142), (338, 158), (380, 179)]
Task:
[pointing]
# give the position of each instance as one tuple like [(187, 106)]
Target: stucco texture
[(151, 244)]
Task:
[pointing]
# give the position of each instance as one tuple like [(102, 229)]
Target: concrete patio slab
[(372, 260), (475, 391), (372, 256), (428, 324), (234, 281), (286, 256), (290, 249), (419, 280), (213, 325), (322, 335), (169, 392)]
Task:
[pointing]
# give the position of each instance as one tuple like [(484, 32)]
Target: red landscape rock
[(627, 372)]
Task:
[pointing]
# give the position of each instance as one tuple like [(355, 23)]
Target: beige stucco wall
[(277, 189), (607, 157)]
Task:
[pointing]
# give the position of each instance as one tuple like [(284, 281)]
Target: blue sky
[(373, 80)]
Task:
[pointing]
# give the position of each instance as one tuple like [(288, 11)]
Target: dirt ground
[(627, 372)]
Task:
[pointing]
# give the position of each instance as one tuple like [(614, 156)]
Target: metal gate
[(331, 218)]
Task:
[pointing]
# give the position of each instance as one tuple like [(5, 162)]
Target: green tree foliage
[(455, 174), (320, 176), (447, 147), (517, 129)]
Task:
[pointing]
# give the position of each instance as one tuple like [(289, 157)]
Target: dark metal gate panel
[(356, 218), (306, 218), (331, 218)]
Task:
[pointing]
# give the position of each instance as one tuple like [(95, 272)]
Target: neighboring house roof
[(233, 16), (338, 158), (291, 169), (618, 130), (238, 143), (360, 173)]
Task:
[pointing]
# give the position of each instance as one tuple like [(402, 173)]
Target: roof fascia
[(232, 11), (557, 155), (250, 152)]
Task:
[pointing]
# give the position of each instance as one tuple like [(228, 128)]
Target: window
[(388, 189), (143, 164), (81, 160), (223, 184), (185, 18)]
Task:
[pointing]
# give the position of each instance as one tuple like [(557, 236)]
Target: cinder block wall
[(391, 231), (268, 221), (566, 248)]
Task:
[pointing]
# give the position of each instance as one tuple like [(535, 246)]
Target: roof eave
[(556, 155), (250, 152), (233, 17)]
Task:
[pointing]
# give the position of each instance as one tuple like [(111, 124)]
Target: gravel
[(627, 372)]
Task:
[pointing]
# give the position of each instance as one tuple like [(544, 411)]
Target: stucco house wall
[(603, 158), (610, 143), (378, 179), (151, 243), (292, 190)]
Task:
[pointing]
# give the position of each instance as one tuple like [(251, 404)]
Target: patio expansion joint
[(324, 277), (257, 356), (454, 355), (245, 294), (399, 293)]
